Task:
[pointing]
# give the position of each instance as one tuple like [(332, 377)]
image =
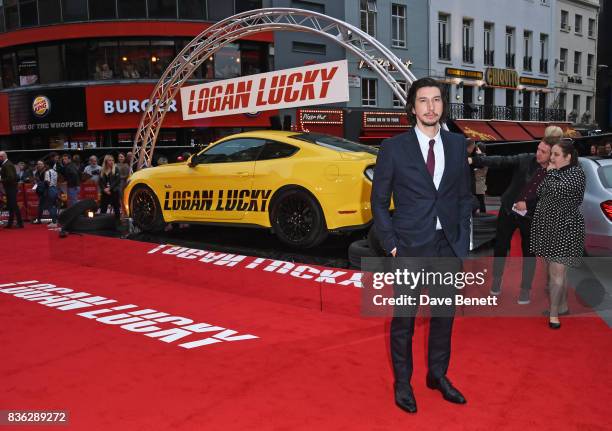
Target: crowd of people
[(47, 173)]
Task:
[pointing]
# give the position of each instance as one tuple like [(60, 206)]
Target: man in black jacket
[(8, 173), (517, 206), (73, 179)]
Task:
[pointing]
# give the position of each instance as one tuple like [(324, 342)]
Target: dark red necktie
[(431, 158)]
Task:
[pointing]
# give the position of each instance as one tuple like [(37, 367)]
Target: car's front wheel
[(297, 219), (146, 210)]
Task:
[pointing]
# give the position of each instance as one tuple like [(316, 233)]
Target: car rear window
[(605, 173), (335, 143)]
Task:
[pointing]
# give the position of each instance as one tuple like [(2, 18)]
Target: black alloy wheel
[(297, 219), (145, 210)]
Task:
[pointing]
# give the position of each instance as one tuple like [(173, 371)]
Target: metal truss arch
[(243, 24)]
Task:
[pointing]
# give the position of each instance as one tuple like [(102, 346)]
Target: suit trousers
[(506, 225), (442, 316), (11, 204)]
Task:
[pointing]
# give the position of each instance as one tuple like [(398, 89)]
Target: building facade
[(603, 81), (576, 23), (495, 57), (77, 73)]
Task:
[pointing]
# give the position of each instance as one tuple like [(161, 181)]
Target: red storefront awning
[(534, 128), (477, 130), (510, 130)]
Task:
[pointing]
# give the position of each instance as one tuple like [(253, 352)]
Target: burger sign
[(41, 105)]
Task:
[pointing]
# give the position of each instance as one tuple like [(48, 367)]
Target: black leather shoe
[(404, 398), (554, 325), (449, 392)]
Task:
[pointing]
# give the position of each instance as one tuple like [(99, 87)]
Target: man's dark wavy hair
[(411, 97)]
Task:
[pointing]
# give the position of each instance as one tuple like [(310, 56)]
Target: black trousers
[(442, 316), (11, 203), (112, 200), (506, 225)]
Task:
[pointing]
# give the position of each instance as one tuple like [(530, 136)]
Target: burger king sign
[(41, 105)]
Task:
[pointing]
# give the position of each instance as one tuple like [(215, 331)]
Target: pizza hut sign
[(300, 86)]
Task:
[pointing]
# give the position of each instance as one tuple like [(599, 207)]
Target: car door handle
[(243, 174)]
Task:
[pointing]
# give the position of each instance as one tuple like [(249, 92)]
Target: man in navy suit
[(427, 172)]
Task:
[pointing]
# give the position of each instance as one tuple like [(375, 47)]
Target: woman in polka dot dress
[(557, 228)]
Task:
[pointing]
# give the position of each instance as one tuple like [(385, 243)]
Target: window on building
[(9, 71), (27, 67), (590, 61), (576, 103), (309, 48), (50, 59), (563, 60), (253, 58), (367, 12), (76, 64), (192, 9), (589, 104), (592, 32), (577, 61), (134, 59), (227, 61), (368, 92), (489, 37), (543, 53), (132, 8), (245, 5), (11, 14), (49, 11), (104, 60), (398, 25), (578, 24), (396, 102), (510, 98), (74, 10), (28, 13), (468, 40), (162, 53), (162, 9), (444, 36), (562, 101), (564, 20), (527, 50), (101, 9), (308, 5), (510, 47)]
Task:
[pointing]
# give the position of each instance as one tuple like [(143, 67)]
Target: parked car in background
[(597, 205)]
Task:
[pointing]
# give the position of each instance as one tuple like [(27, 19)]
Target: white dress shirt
[(439, 155)]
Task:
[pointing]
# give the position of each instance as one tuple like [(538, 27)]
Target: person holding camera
[(557, 229), (517, 206)]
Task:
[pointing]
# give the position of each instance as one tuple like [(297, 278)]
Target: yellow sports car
[(301, 185)]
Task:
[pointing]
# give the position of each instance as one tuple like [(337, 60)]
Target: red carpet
[(306, 370)]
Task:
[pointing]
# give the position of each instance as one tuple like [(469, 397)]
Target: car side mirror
[(193, 161)]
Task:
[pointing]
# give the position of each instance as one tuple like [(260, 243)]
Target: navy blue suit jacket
[(401, 171)]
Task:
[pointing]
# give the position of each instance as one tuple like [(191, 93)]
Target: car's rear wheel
[(146, 210), (297, 219)]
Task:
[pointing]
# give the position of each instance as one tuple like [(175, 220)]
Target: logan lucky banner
[(300, 86)]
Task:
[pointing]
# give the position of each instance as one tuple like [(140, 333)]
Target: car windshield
[(606, 176), (335, 143)]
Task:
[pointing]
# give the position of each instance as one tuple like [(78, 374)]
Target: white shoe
[(52, 225)]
